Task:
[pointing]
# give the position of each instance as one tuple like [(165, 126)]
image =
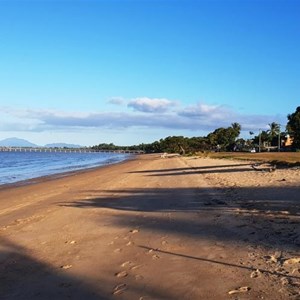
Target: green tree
[(236, 128), (174, 144), (197, 144), (274, 130), (273, 133), (225, 138), (293, 127)]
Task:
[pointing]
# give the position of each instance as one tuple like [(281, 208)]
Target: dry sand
[(153, 228)]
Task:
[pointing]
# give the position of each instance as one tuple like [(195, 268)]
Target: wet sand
[(154, 228)]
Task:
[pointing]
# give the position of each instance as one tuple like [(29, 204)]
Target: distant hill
[(16, 142), (62, 145)]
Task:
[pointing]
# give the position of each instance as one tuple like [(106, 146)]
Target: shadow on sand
[(23, 277), (217, 262), (263, 217), (177, 170)]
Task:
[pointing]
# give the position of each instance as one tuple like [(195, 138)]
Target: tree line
[(221, 139)]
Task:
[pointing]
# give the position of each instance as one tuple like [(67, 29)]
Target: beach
[(153, 228)]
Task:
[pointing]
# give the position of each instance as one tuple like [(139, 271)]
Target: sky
[(130, 72)]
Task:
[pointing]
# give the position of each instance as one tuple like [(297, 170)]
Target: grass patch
[(279, 158)]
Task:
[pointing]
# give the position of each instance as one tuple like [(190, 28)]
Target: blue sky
[(128, 72)]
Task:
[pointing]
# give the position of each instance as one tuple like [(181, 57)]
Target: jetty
[(68, 150)]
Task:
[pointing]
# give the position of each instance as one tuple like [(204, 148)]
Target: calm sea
[(17, 166)]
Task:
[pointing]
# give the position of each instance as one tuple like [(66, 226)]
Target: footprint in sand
[(121, 274), (70, 242), (118, 250), (129, 264), (134, 231), (65, 267), (126, 264), (155, 256), (119, 289), (242, 289), (255, 274)]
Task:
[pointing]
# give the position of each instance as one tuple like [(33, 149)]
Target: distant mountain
[(15, 142), (62, 145)]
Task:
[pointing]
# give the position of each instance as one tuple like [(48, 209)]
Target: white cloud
[(205, 111), (200, 117), (151, 105), (116, 101), (110, 120)]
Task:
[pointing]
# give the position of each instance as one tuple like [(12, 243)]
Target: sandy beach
[(154, 228)]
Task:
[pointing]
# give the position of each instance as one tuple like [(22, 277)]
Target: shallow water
[(17, 166)]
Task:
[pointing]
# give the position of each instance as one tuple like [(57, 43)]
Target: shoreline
[(50, 177)]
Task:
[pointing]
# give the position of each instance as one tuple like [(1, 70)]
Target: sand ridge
[(153, 228)]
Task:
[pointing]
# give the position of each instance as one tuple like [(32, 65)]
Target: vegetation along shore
[(276, 138)]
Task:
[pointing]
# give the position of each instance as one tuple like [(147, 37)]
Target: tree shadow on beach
[(262, 216), (24, 277), (217, 167), (218, 262)]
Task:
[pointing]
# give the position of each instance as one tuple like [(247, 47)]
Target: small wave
[(17, 166)]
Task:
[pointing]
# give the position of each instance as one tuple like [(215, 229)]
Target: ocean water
[(17, 166)]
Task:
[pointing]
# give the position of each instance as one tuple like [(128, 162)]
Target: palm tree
[(274, 130)]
